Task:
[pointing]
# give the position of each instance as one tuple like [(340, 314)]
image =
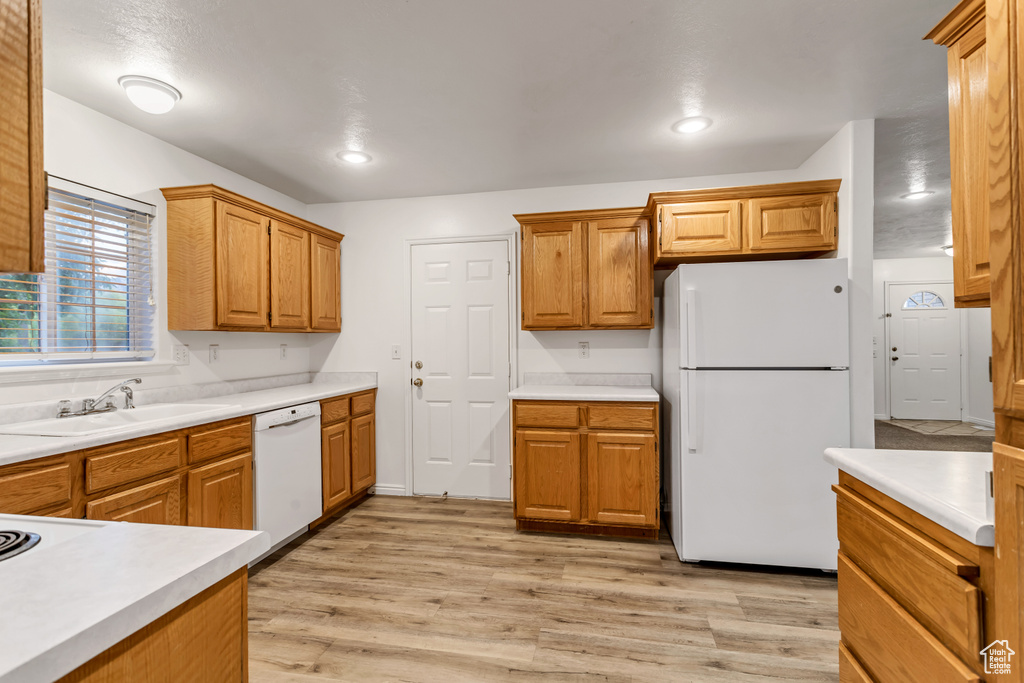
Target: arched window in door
[(924, 299)]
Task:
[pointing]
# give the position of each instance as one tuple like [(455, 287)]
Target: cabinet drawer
[(920, 574), (547, 415), (156, 503), (621, 417), (131, 462), (889, 642), (333, 410), (362, 403), (220, 439), (34, 485)]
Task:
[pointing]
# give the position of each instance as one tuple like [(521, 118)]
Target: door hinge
[(508, 267)]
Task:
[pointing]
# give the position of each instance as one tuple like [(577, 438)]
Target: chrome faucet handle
[(63, 408), (129, 397), (88, 404)]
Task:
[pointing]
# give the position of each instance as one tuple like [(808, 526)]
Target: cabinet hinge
[(268, 229), (270, 317)]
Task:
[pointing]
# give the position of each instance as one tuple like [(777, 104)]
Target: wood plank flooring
[(423, 589)]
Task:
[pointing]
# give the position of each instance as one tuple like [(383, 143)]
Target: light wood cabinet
[(290, 289), (156, 503), (907, 584), (963, 32), (28, 487), (744, 223), (22, 180), (1009, 522), (234, 264), (586, 467), (348, 449), (220, 494), (586, 270)]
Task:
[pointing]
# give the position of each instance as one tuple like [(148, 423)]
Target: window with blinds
[(94, 302)]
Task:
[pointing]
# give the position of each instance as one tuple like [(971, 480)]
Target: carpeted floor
[(897, 438)]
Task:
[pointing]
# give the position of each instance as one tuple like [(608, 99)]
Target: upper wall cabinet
[(963, 32), (234, 264), (22, 180), (740, 223), (586, 270)]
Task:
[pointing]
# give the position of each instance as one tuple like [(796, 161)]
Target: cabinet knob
[(417, 382)]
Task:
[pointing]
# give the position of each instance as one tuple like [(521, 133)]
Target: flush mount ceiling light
[(948, 249), (352, 156), (149, 94), (692, 124), (920, 194)]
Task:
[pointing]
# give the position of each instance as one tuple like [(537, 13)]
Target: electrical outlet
[(584, 349), (284, 352), (181, 354), (396, 352), (214, 353)]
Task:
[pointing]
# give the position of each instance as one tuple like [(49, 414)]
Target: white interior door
[(460, 336), (923, 352)]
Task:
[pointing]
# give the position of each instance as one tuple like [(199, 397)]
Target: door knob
[(894, 348), (417, 382), (419, 365), (895, 357)]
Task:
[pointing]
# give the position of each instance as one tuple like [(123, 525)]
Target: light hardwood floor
[(420, 589)]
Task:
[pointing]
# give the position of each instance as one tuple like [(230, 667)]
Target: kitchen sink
[(85, 425)]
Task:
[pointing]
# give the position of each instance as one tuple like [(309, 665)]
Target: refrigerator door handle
[(691, 328), (692, 432)]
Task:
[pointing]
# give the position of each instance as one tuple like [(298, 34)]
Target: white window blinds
[(94, 302)]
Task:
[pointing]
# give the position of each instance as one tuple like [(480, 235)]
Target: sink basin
[(100, 423)]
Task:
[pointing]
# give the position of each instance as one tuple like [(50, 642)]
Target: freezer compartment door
[(755, 487), (776, 314)]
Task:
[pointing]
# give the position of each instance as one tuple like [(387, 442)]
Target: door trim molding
[(513, 327), (887, 318)]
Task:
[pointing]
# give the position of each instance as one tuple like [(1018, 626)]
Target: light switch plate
[(396, 352)]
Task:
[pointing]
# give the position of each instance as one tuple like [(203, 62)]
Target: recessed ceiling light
[(920, 194), (354, 157), (691, 124), (948, 249), (149, 94)]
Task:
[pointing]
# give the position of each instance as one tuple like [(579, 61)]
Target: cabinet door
[(968, 149), (156, 503), (364, 452), (622, 478), (326, 284), (619, 273), (336, 456), (1008, 469), (546, 469), (289, 276), (696, 228), (220, 495), (22, 181), (552, 275), (803, 222), (241, 245)]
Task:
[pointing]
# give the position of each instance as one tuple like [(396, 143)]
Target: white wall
[(87, 147), (976, 336), (375, 305)]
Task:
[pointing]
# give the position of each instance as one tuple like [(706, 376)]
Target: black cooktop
[(15, 542)]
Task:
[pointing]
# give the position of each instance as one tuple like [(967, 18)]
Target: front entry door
[(460, 340), (923, 352)]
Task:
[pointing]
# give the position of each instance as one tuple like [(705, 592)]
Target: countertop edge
[(559, 392), (980, 532)]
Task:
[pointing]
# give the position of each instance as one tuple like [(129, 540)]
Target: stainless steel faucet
[(92, 405)]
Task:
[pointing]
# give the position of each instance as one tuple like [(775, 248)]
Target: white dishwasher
[(287, 471)]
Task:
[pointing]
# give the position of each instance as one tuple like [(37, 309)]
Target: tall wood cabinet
[(22, 180), (963, 32), (586, 270), (586, 467), (234, 264)]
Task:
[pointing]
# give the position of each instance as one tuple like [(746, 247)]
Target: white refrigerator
[(756, 387)]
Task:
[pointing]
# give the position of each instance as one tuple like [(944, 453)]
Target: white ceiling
[(453, 96)]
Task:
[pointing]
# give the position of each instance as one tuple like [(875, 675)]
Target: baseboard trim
[(389, 490), (978, 421), (881, 417)]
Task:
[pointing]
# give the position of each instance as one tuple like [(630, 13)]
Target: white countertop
[(68, 602), (20, 448), (947, 487), (555, 392)]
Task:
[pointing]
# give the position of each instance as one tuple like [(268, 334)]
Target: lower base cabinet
[(348, 447), (586, 467), (335, 449), (156, 503), (203, 640), (220, 495), (364, 452)]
